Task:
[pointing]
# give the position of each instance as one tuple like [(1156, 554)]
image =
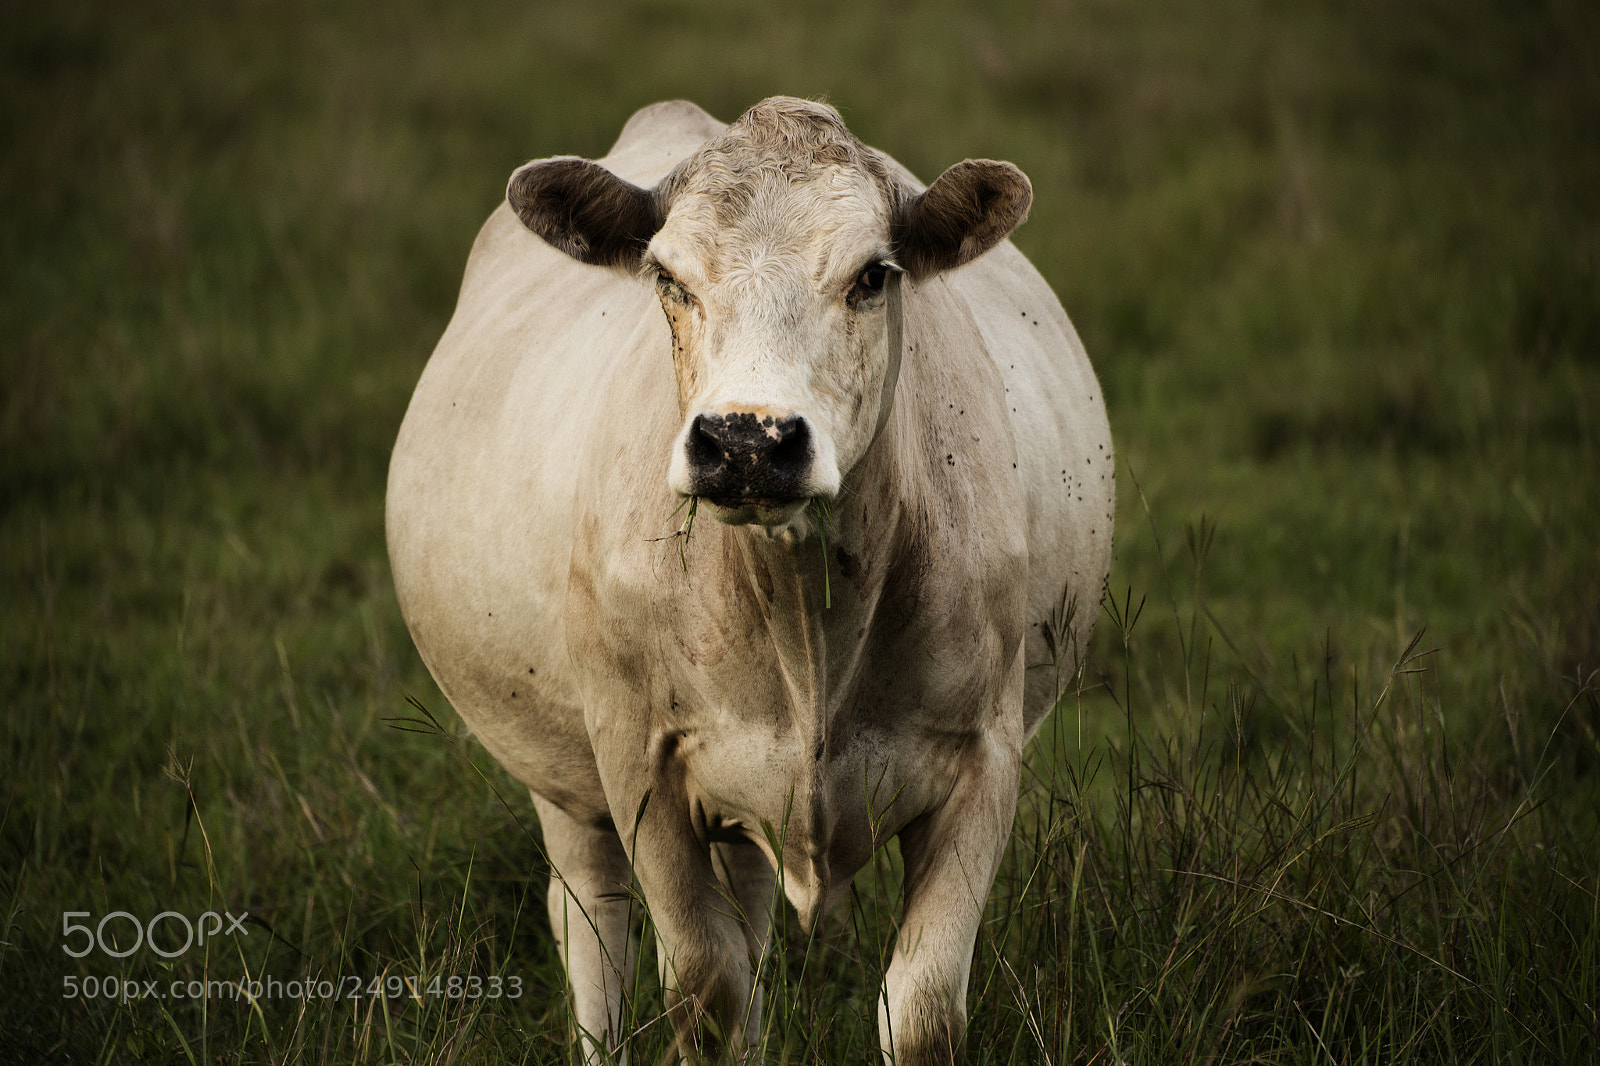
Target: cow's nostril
[(791, 450), (704, 444)]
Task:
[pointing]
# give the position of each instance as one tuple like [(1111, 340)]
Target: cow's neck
[(787, 574), (822, 587)]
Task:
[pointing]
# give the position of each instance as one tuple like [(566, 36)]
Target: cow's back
[(1064, 455)]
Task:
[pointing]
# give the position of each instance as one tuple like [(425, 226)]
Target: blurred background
[(1337, 265)]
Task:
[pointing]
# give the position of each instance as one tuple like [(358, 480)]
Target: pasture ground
[(1328, 790)]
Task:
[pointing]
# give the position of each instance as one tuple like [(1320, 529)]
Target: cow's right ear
[(967, 211), (585, 210)]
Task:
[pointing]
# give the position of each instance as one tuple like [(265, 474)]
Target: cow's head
[(777, 251)]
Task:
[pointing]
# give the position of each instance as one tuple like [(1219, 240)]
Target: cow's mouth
[(769, 502), (771, 511)]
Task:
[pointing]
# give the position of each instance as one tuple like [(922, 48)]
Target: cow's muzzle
[(741, 460)]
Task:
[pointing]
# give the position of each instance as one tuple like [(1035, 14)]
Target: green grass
[(1338, 266)]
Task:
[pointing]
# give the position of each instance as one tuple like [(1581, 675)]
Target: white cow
[(910, 473)]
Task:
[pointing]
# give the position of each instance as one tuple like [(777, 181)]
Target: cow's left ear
[(585, 210), (969, 210)]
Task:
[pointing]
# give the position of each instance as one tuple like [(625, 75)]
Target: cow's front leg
[(951, 855), (707, 944), (591, 912), (715, 996), (749, 880)]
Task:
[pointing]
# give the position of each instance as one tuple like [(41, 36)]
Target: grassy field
[(1330, 790)]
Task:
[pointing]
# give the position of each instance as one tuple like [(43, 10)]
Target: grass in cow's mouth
[(684, 530), (821, 512)]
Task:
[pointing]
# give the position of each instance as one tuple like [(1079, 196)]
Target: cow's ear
[(969, 210), (585, 210)]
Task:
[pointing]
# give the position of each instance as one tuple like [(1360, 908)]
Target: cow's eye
[(668, 287), (869, 284)]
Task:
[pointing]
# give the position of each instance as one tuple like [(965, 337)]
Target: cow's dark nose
[(744, 457)]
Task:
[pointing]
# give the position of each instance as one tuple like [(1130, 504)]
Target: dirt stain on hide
[(849, 565)]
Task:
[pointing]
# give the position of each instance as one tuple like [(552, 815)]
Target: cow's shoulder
[(657, 137)]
